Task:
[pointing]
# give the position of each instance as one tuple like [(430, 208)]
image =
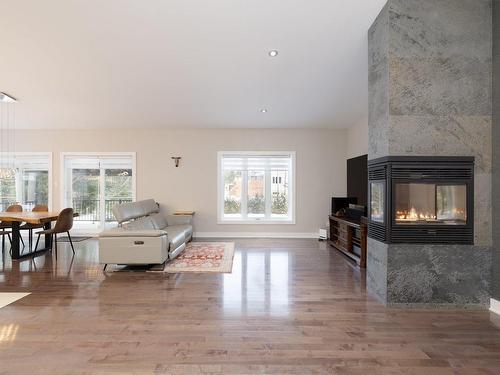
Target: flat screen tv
[(339, 203)]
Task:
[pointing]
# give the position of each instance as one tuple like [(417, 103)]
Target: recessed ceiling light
[(4, 98), (273, 53), (263, 110)]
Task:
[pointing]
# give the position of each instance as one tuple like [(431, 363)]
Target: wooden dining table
[(17, 218)]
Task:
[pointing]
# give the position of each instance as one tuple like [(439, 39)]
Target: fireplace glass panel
[(377, 205), (429, 203)]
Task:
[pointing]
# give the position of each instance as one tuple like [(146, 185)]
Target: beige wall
[(320, 162), (357, 139)]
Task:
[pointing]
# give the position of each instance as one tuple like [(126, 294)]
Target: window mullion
[(244, 194), (268, 194), (18, 177)]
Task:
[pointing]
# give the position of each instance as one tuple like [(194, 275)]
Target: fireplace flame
[(414, 215)]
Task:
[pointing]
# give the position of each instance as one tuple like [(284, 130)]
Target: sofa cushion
[(140, 224), (187, 229), (133, 210), (176, 236), (149, 206), (159, 221), (179, 219)]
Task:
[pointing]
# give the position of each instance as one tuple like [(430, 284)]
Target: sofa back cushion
[(159, 221), (134, 210), (140, 224)]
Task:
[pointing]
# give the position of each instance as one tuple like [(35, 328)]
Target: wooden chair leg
[(55, 244), (71, 242)]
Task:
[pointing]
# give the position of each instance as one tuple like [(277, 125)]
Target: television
[(339, 203)]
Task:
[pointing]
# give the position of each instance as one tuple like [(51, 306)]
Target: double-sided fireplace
[(421, 199)]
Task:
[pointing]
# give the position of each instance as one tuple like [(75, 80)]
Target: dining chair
[(4, 233), (63, 224), (6, 225), (30, 227)]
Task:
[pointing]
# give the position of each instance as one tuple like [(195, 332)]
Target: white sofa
[(144, 235)]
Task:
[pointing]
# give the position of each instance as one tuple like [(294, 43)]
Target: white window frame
[(62, 174), (246, 220), (49, 164)]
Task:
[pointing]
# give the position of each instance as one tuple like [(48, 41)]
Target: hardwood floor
[(289, 307)]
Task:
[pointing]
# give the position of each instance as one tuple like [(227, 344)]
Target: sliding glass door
[(94, 183)]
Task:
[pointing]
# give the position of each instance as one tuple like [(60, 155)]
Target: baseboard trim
[(495, 306), (230, 234), (254, 235)]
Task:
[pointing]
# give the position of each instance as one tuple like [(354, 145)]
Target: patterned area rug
[(203, 257)]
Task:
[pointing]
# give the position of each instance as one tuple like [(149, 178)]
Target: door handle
[(138, 242)]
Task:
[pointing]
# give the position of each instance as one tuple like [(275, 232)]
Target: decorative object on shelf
[(7, 135), (349, 237), (176, 159)]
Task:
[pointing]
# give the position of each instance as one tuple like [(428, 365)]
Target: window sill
[(254, 221)]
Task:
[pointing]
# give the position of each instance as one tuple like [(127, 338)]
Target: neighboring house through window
[(256, 187)]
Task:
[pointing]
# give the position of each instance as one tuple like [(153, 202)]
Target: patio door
[(93, 184)]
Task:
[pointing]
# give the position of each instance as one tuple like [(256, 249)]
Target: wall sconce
[(176, 159)]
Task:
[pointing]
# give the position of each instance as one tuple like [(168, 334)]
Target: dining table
[(30, 217)]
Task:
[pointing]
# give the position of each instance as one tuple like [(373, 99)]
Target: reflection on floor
[(289, 306)]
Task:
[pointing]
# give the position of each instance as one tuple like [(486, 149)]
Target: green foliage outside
[(7, 192), (280, 204), (232, 206), (257, 204)]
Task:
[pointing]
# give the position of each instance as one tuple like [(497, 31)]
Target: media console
[(349, 237)]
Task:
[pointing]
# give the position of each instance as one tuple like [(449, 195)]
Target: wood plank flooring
[(289, 307)]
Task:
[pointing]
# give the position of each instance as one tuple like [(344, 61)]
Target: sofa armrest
[(179, 219), (119, 232)]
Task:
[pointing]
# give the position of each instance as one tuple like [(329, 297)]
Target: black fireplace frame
[(442, 170)]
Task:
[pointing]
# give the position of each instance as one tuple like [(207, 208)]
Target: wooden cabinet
[(349, 237)]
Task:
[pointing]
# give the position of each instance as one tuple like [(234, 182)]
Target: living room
[(167, 173)]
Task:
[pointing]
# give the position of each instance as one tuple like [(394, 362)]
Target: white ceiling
[(186, 63)]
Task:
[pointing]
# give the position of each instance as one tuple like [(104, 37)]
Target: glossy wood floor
[(289, 307)]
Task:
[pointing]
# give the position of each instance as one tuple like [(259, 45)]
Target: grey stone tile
[(440, 28), (376, 269), (459, 86), (437, 274), (443, 135)]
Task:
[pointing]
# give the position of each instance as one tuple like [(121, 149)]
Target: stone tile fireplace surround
[(430, 64)]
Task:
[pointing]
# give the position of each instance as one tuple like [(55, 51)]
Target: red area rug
[(203, 257)]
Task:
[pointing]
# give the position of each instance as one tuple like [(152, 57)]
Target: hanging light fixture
[(7, 136)]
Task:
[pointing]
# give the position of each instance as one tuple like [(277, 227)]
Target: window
[(94, 183), (256, 187), (30, 185)]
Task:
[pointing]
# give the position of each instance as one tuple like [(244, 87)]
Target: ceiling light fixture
[(263, 110), (273, 53), (5, 98)]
